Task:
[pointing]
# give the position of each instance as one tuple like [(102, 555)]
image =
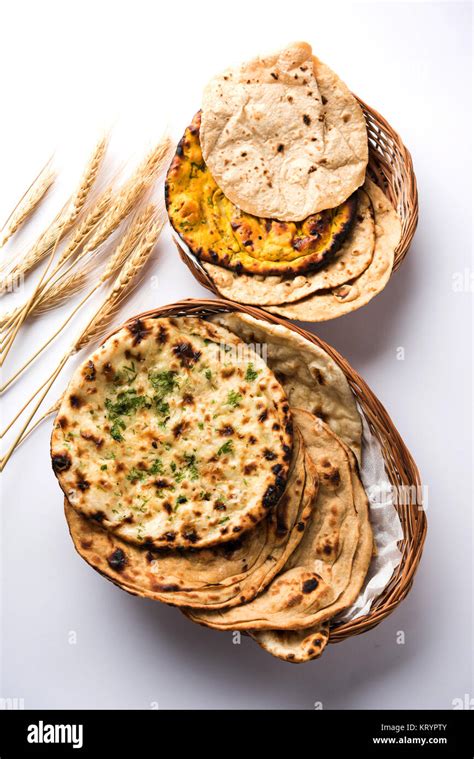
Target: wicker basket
[(390, 167), (401, 468)]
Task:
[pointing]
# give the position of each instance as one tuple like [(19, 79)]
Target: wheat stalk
[(55, 291), (64, 220), (52, 409), (123, 285), (125, 282), (126, 200), (138, 227), (28, 203)]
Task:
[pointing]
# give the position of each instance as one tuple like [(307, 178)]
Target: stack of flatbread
[(269, 192), (212, 464)]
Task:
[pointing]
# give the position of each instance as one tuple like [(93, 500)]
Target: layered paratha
[(174, 433), (312, 380), (217, 577), (360, 290), (327, 569)]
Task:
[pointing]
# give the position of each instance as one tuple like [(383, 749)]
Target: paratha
[(359, 291), (221, 576), (349, 261), (283, 136), (327, 569), (310, 377), (218, 232), (173, 433)]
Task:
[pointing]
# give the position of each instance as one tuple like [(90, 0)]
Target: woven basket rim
[(390, 166), (399, 464)]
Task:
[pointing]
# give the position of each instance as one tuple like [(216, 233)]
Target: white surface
[(67, 71)]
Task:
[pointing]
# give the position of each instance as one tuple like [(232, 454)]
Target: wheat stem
[(25, 309), (47, 385), (44, 416)]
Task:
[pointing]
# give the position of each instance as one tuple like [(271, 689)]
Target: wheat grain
[(28, 203), (129, 241)]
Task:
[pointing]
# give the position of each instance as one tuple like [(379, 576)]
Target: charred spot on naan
[(216, 231)]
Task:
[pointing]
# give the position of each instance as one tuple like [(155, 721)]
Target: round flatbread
[(217, 577), (216, 231), (326, 571), (358, 292), (283, 136), (310, 377), (173, 433), (352, 258), (295, 646)]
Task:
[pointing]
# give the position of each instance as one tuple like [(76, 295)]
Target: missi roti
[(173, 433)]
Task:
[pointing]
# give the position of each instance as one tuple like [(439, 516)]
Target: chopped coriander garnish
[(156, 467), (228, 447), (251, 374), (208, 374), (136, 475), (163, 382), (233, 398), (125, 404), (103, 467), (127, 374), (191, 464), (162, 407)]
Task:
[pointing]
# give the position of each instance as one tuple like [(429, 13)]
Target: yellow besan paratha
[(352, 258)]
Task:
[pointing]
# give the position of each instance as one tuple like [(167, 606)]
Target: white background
[(69, 70)]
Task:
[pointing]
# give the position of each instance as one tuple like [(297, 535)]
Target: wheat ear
[(55, 291), (136, 230), (118, 210), (28, 203), (123, 285), (64, 220)]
